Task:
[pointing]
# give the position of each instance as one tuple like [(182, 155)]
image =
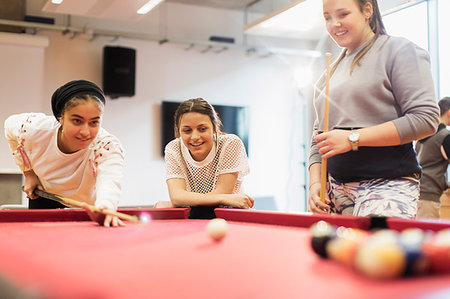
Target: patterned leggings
[(376, 197)]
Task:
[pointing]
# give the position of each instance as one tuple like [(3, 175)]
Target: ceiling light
[(57, 1), (148, 6), (298, 19)]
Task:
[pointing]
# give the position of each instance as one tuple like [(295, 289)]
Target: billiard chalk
[(217, 228)]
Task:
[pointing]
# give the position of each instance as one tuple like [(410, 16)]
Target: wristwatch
[(354, 140)]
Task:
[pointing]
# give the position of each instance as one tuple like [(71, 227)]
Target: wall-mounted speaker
[(119, 66)]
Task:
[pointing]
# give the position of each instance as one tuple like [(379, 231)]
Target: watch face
[(353, 136)]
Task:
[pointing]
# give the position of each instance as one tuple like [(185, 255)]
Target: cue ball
[(145, 217), (217, 228)]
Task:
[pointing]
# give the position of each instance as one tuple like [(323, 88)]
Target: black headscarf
[(73, 89)]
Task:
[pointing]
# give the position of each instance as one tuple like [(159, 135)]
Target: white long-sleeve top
[(90, 175)]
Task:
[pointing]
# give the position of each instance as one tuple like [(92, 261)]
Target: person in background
[(381, 100), (433, 153), (205, 167), (69, 153)]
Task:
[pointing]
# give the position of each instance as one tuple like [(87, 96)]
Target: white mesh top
[(227, 156)]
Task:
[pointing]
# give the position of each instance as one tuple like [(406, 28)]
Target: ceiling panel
[(126, 10)]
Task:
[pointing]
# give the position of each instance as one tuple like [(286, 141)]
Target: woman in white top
[(205, 167), (69, 154)]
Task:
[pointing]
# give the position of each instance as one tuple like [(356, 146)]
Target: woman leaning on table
[(69, 153)]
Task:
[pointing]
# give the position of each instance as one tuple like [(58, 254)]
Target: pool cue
[(75, 203), (323, 173)]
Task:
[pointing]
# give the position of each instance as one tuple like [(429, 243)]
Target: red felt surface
[(176, 259)]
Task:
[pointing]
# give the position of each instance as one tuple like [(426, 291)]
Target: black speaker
[(119, 65)]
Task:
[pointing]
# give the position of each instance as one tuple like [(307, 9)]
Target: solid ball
[(343, 248), (437, 250), (381, 256), (321, 233), (217, 228)]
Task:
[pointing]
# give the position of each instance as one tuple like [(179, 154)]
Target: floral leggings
[(376, 197)]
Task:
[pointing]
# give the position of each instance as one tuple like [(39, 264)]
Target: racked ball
[(344, 246), (321, 233), (412, 240), (437, 250), (217, 228), (381, 256)]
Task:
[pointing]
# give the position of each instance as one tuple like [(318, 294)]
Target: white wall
[(170, 72), (21, 82)]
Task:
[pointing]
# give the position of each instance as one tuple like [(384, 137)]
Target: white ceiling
[(126, 9)]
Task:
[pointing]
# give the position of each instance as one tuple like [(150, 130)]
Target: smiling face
[(196, 132), (79, 125), (346, 23)]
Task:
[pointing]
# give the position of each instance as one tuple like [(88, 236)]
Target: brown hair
[(82, 98), (198, 105), (444, 105), (377, 26)]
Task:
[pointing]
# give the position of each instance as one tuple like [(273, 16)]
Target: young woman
[(69, 154), (381, 99), (205, 167)]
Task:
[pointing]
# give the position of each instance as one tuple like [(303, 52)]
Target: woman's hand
[(103, 219), (333, 142), (242, 201), (315, 205), (31, 182)]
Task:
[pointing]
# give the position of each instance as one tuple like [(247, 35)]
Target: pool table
[(62, 254)]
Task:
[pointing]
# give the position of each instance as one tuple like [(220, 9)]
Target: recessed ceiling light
[(148, 6)]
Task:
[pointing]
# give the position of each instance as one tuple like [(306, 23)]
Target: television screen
[(234, 121)]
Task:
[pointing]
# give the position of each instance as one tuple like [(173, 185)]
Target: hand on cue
[(315, 204), (103, 219)]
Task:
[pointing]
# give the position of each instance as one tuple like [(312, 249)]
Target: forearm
[(314, 174), (108, 182), (181, 198), (385, 134)]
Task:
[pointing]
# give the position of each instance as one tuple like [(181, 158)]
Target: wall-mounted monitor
[(234, 119)]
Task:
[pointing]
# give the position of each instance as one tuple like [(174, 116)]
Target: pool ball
[(412, 240), (437, 249), (321, 233), (381, 256), (345, 245), (145, 218), (217, 228)]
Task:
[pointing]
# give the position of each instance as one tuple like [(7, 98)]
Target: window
[(444, 47), (411, 23)]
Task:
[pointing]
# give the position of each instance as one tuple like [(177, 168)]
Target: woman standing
[(381, 99)]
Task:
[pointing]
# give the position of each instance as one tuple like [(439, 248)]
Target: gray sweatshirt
[(393, 83)]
